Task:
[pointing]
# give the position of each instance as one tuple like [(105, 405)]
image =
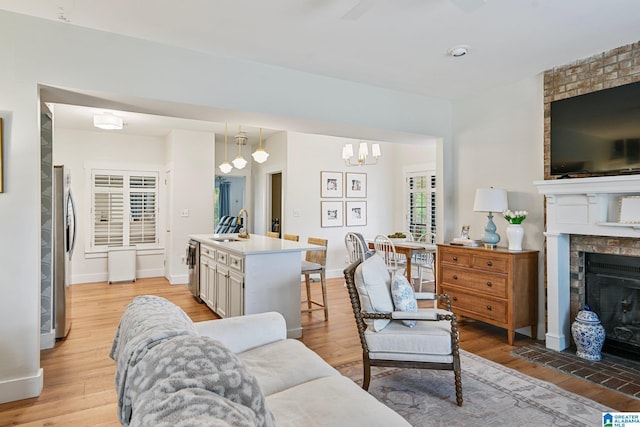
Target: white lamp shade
[(260, 155), (108, 121), (225, 167), (239, 162), (490, 200), (375, 150), (363, 151), (347, 151)]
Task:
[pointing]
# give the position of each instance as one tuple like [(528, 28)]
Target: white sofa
[(238, 371), (301, 389)]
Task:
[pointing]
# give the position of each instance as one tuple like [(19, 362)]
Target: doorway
[(275, 200), (228, 197)]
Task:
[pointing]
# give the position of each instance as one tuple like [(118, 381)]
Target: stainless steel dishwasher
[(193, 263)]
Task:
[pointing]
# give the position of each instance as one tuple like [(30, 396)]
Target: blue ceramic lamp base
[(490, 238)]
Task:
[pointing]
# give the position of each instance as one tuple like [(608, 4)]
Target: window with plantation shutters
[(421, 204), (124, 208)]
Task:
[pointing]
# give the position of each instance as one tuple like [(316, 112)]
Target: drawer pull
[(489, 284), (489, 308), (455, 298), (489, 263), (455, 258), (455, 277)]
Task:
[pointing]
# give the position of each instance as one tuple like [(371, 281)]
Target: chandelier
[(363, 154), (260, 155)]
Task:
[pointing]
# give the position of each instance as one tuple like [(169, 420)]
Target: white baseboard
[(179, 279), (21, 388), (103, 277), (47, 340)]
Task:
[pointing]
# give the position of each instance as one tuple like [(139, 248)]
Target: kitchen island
[(245, 276)]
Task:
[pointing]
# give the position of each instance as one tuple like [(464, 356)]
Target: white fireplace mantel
[(587, 206)]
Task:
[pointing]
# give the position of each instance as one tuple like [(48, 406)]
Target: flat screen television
[(597, 133)]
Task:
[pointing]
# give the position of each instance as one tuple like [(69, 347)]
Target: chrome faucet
[(244, 230)]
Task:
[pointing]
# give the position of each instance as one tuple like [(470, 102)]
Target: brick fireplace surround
[(581, 213)]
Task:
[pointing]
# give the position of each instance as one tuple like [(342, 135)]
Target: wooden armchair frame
[(360, 316)]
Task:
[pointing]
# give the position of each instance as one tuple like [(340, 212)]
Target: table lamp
[(490, 200)]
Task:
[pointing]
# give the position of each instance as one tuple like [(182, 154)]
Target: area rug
[(494, 395)]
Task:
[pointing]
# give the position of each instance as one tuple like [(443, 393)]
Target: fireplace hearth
[(612, 285)]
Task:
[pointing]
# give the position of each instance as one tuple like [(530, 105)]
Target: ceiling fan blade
[(362, 7), (469, 6)]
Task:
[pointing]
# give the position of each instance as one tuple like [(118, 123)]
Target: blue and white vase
[(588, 334)]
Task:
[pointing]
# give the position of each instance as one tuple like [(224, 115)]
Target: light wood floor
[(79, 375)]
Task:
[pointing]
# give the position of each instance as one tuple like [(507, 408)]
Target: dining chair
[(357, 248), (273, 234), (292, 237), (425, 261), (385, 248), (315, 263)]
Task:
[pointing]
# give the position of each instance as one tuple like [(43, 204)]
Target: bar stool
[(314, 263)]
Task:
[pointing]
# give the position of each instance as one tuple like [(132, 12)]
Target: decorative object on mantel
[(490, 200), (629, 210), (588, 334), (363, 153), (515, 232)]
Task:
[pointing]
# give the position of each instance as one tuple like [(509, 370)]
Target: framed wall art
[(331, 214), (356, 184), (356, 213), (330, 184)]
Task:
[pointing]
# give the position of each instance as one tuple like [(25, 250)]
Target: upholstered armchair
[(393, 331)]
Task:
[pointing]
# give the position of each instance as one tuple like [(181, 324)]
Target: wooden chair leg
[(367, 372), (325, 300), (307, 282), (458, 387)]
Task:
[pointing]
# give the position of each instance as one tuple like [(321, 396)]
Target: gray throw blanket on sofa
[(168, 375)]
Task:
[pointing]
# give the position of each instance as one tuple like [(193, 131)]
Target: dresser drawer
[(236, 262), (207, 252), (490, 262), (478, 306), (454, 257), (222, 257), (493, 284)]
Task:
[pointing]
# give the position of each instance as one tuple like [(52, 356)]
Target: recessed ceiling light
[(458, 51)]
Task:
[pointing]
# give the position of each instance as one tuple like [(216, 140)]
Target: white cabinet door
[(236, 295), (222, 275)]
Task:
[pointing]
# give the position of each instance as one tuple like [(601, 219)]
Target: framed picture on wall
[(356, 184), (356, 213), (330, 184), (331, 214)]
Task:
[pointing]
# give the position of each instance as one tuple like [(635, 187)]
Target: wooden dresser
[(496, 286)]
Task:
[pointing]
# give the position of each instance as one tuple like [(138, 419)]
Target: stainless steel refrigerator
[(64, 239)]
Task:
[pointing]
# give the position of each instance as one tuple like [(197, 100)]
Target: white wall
[(498, 139), (101, 62), (80, 151), (191, 187)]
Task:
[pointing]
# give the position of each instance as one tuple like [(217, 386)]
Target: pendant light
[(241, 138), (225, 167), (260, 155)]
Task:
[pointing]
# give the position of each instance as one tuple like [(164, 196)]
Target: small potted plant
[(515, 232)]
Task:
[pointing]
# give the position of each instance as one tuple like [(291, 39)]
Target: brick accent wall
[(578, 245), (609, 69)]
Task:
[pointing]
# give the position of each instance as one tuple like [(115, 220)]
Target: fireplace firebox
[(612, 287)]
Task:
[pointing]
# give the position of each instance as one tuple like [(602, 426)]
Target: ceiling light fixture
[(108, 121), (225, 166), (260, 155), (241, 138), (458, 51), (363, 153)]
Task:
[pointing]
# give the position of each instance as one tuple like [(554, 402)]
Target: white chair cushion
[(311, 266), (426, 338), (372, 281), (403, 297)]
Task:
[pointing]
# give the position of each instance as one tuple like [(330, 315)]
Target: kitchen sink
[(225, 239)]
